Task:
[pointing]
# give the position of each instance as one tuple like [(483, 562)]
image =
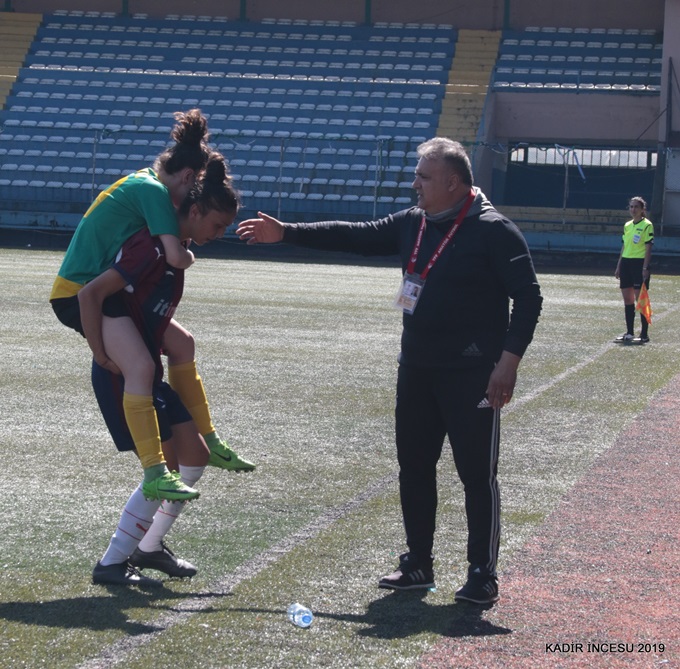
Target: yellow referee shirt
[(635, 238)]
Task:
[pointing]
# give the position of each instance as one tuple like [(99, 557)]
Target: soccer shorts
[(630, 275), (108, 389), (67, 310)]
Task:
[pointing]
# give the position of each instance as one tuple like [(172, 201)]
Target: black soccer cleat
[(121, 573), (163, 560)]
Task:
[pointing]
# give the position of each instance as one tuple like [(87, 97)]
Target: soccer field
[(299, 361)]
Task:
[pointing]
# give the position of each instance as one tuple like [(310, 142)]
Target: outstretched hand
[(262, 230)]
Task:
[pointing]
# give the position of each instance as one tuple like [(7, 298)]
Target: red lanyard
[(447, 238)]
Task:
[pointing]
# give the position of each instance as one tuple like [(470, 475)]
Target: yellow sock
[(186, 382), (143, 425)]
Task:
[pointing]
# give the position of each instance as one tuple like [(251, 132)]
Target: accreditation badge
[(409, 293)]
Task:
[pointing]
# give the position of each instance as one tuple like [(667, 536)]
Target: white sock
[(134, 522), (168, 512)]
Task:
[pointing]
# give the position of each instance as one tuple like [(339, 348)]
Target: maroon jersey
[(154, 288)]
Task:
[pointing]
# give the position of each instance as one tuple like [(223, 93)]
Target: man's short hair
[(453, 153)]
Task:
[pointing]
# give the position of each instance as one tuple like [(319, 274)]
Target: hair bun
[(216, 169), (190, 127)]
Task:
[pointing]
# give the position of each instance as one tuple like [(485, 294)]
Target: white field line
[(118, 652), (539, 390)]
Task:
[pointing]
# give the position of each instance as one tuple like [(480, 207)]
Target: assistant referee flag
[(643, 304)]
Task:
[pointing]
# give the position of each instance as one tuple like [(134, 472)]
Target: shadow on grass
[(403, 614), (97, 612)]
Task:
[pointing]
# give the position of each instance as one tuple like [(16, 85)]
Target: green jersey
[(137, 201)]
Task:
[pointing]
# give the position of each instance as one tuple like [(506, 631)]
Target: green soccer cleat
[(169, 487), (223, 457)]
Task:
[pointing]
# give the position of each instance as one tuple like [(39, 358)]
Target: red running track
[(601, 577)]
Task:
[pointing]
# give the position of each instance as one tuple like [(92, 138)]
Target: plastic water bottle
[(300, 615)]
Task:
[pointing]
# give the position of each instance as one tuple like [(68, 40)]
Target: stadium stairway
[(469, 80), (17, 32)]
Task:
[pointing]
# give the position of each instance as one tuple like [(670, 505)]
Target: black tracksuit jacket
[(463, 318)]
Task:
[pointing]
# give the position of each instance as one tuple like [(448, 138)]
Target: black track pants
[(433, 403)]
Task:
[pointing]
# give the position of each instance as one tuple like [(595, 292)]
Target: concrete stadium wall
[(472, 14), (671, 52), (576, 117), (464, 14), (588, 13)]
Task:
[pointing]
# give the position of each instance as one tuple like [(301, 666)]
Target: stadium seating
[(300, 103), (580, 59), (315, 117)]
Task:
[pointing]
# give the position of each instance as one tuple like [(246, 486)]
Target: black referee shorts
[(630, 275)]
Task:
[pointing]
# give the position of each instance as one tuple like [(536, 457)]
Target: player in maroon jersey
[(143, 285)]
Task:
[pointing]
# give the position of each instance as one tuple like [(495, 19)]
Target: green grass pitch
[(299, 360)]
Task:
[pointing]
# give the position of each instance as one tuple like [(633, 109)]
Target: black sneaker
[(412, 573), (641, 340), (481, 588), (122, 573), (626, 338), (163, 560)]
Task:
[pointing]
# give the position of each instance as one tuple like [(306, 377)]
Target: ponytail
[(213, 189), (190, 134)]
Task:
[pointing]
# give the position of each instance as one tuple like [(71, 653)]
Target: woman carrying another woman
[(145, 199), (144, 288)]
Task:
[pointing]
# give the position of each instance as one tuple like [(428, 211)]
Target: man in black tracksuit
[(463, 263)]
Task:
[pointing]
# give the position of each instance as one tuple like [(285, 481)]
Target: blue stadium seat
[(308, 85), (579, 51)]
